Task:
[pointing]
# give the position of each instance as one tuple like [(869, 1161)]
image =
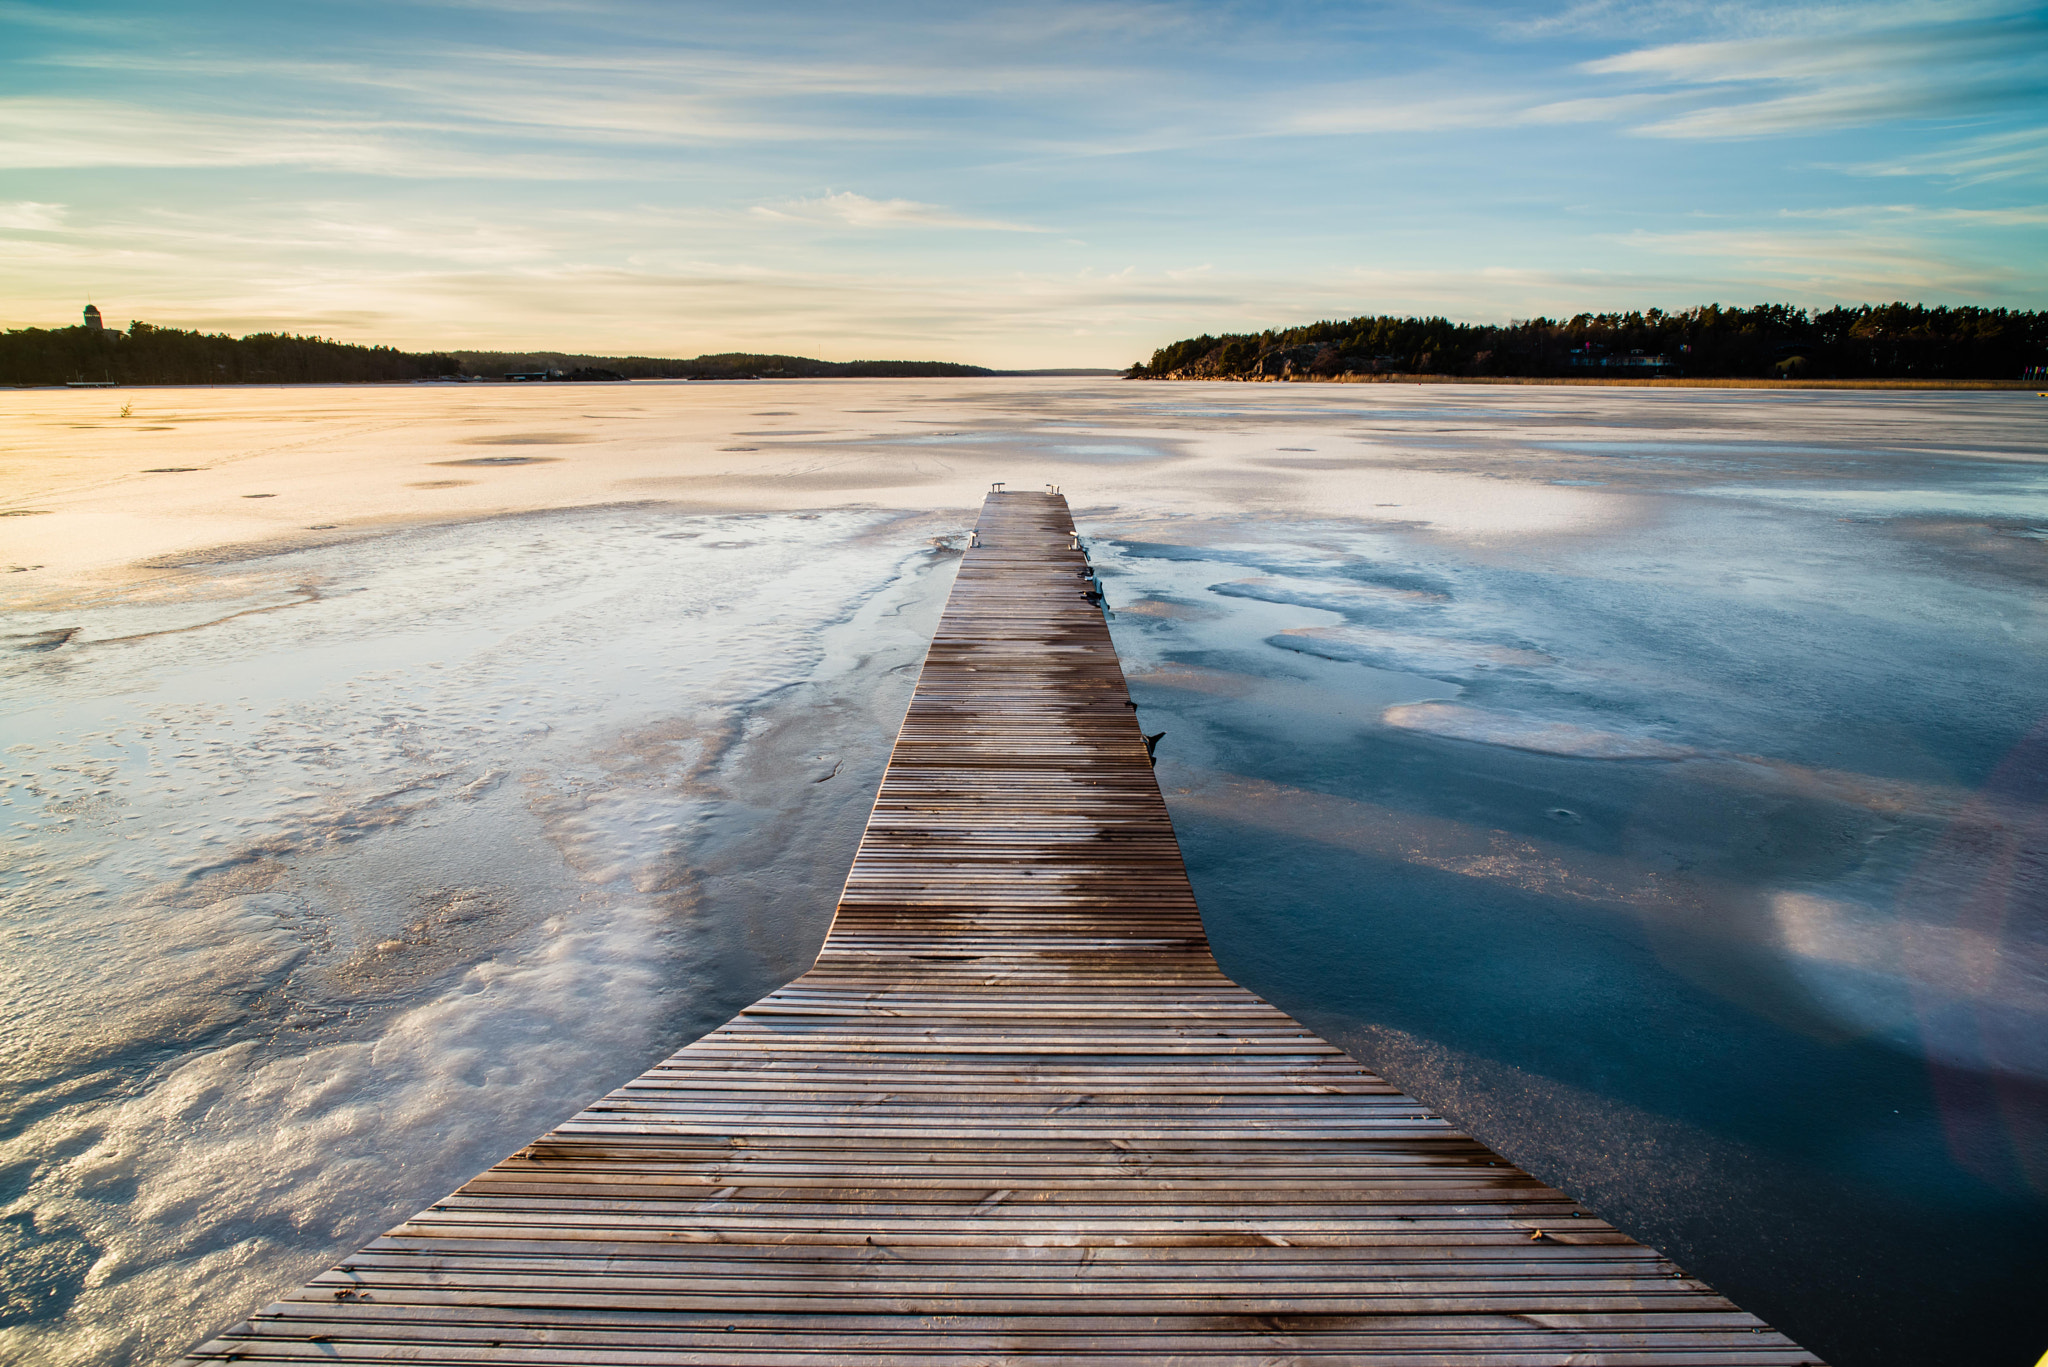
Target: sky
[(1041, 185)]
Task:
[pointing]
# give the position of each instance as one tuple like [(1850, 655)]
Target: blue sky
[(1018, 185)]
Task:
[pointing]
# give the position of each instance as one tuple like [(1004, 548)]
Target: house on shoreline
[(1599, 360)]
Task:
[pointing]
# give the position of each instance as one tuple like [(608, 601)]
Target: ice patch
[(1349, 598), (1457, 722), (1034, 444), (307, 916), (1435, 656), (2008, 496), (207, 966)]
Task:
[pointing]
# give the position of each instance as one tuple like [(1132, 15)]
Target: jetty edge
[(1015, 1113)]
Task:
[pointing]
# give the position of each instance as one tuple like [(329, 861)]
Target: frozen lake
[(1655, 781)]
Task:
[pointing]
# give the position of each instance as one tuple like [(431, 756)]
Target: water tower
[(92, 317)]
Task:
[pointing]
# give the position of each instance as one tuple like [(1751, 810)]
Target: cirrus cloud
[(859, 211), (1845, 69), (28, 215)]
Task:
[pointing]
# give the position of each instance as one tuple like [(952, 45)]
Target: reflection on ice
[(1965, 996), (1548, 736)]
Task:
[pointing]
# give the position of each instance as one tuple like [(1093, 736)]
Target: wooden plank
[(1014, 1113)]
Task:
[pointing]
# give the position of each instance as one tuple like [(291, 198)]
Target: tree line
[(147, 354), (729, 365), (1883, 341)]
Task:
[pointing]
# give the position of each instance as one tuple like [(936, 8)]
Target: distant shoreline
[(1603, 382), (1773, 343), (93, 356), (1098, 373)]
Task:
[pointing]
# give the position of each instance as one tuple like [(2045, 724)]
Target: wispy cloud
[(1607, 18), (1711, 20), (1865, 49), (52, 133), (1845, 69), (1844, 107), (28, 215), (859, 211), (1868, 263), (66, 19), (2017, 153), (1386, 110), (2022, 216), (560, 136), (1818, 68)]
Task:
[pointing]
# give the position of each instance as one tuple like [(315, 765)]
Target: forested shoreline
[(730, 365), (149, 355), (1891, 341)]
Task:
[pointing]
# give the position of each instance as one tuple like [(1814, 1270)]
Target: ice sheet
[(310, 913), (1649, 779)]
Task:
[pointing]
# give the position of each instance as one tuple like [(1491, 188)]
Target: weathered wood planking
[(1015, 1113)]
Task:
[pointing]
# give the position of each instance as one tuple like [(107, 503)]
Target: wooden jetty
[(1015, 1114)]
